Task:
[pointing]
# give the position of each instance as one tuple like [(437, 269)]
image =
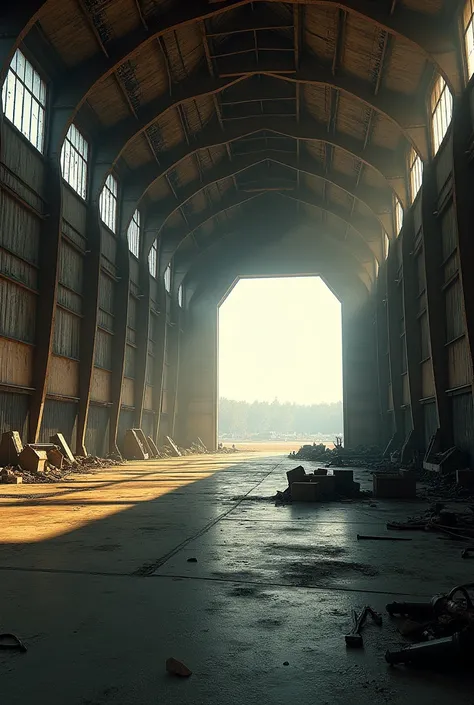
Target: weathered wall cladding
[(59, 417), (430, 421), (63, 379), (24, 167), (126, 420), (148, 423), (14, 413), (97, 432), (22, 173), (463, 422)]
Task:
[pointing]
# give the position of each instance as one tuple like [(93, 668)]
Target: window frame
[(441, 108), (134, 234), (415, 173), (153, 260), (81, 188), (399, 215), (167, 277), (468, 29), (108, 195), (37, 96)]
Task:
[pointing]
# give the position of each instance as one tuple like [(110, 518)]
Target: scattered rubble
[(457, 525), (177, 668), (362, 456), (442, 628), (321, 485), (15, 474)]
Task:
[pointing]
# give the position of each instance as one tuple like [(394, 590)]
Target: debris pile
[(15, 474), (319, 486), (442, 629), (362, 456), (456, 525)]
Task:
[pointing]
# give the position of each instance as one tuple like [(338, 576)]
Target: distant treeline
[(244, 420)]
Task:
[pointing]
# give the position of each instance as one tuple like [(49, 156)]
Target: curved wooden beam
[(363, 251), (165, 210), (422, 30), (390, 165), (401, 110)]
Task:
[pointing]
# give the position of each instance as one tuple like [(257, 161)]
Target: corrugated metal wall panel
[(154, 290), (74, 209), (425, 348), (451, 267), (405, 390), (427, 380), (71, 266), (459, 363), (67, 334), (128, 392), (63, 377), (444, 162), (97, 432), (17, 312), (103, 349), (130, 361), (59, 417), (448, 232), (125, 422), (18, 270), (430, 421), (20, 229), (150, 370), (69, 299), (106, 293), (132, 312), (148, 423), (148, 400), (420, 272), (105, 320), (463, 423), (14, 409), (101, 385), (108, 245), (134, 270), (24, 160), (16, 363), (454, 311)]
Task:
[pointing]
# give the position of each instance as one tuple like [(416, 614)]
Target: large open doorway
[(280, 363)]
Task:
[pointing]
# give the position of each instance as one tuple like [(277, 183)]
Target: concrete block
[(320, 471), (344, 481), (32, 459), (296, 475), (305, 492), (59, 440), (10, 448), (465, 477), (326, 486), (153, 448), (174, 447), (55, 458), (394, 486), (133, 448)]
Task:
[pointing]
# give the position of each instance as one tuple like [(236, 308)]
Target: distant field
[(270, 446)]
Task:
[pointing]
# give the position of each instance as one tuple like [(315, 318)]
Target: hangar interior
[(153, 152)]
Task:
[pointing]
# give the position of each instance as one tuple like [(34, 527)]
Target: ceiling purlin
[(383, 54), (334, 96), (217, 107)]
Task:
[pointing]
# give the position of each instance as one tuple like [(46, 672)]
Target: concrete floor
[(94, 575)]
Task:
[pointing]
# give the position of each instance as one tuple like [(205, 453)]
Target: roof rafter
[(426, 32)]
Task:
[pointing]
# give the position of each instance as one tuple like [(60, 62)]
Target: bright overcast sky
[(280, 338)]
